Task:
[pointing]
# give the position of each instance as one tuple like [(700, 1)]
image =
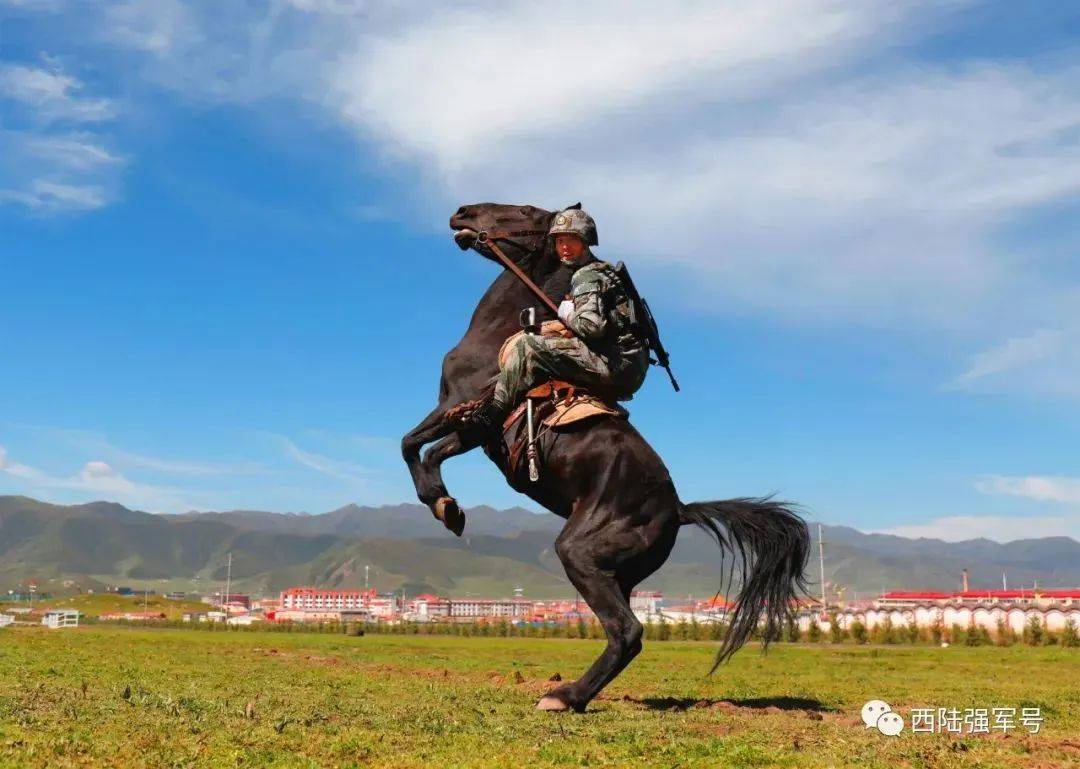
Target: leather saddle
[(557, 405)]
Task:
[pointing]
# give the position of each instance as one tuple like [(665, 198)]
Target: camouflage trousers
[(533, 359)]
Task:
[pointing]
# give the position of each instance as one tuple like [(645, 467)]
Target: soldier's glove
[(566, 309)]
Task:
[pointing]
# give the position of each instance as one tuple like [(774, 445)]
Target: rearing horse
[(621, 509)]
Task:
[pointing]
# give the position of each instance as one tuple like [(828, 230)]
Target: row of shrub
[(1034, 633)]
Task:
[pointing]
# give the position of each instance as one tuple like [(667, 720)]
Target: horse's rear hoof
[(552, 704), (447, 510)]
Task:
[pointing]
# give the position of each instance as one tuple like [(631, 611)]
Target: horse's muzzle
[(465, 238)]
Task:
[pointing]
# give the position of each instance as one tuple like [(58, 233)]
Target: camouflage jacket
[(603, 314)]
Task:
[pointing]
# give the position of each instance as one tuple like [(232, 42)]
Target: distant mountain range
[(104, 543)]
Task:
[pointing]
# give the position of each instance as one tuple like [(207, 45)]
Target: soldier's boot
[(480, 414)]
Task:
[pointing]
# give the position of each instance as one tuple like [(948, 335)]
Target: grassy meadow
[(131, 697)]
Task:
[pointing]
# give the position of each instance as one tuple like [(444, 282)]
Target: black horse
[(617, 497)]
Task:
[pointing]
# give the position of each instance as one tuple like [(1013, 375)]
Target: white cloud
[(793, 183), (1045, 362), (805, 161), (48, 196), (95, 478), (339, 7), (152, 26), (35, 5), (1002, 528), (995, 527), (96, 444), (479, 78), (1042, 488), (51, 95), (76, 152), (54, 163), (101, 476), (17, 469), (351, 474), (876, 199)]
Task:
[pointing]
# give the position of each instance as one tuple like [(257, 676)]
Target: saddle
[(557, 405)]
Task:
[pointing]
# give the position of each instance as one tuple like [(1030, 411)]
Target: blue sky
[(228, 281)]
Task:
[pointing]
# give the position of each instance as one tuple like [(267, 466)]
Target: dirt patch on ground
[(810, 709)]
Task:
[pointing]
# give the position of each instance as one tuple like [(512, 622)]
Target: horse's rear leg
[(605, 556), (624, 643)]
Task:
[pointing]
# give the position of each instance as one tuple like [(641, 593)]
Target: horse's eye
[(524, 210)]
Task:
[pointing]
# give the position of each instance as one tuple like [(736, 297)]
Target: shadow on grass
[(755, 703)]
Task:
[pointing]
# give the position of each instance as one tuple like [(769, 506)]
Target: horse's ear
[(576, 205)]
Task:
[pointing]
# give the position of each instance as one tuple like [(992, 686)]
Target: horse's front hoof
[(552, 704), (447, 511)]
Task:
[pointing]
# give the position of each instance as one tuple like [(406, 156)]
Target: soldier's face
[(570, 248)]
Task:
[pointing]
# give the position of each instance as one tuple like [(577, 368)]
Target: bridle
[(486, 236)]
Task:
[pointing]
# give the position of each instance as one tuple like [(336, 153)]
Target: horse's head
[(520, 231)]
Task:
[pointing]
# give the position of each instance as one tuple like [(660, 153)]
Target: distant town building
[(311, 604), (704, 611), (26, 596), (243, 619), (218, 598), (646, 601), (60, 618), (317, 599), (560, 610), (983, 608), (1021, 597), (428, 608), (466, 609), (133, 616)]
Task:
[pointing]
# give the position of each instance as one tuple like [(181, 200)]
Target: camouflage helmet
[(575, 222)]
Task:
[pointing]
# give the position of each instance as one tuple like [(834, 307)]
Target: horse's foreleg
[(432, 428), (445, 507)]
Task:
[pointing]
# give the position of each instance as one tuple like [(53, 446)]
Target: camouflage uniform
[(604, 355)]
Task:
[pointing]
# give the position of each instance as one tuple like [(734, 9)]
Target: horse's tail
[(772, 543)]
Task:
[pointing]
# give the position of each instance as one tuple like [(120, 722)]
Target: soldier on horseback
[(622, 511), (601, 349)]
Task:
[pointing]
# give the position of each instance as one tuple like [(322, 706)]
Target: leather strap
[(485, 235), (544, 298)]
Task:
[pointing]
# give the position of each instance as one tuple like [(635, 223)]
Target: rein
[(488, 239)]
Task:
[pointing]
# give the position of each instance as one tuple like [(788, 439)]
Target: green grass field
[(115, 696)]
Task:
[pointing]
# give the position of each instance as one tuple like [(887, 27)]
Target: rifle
[(645, 323)]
